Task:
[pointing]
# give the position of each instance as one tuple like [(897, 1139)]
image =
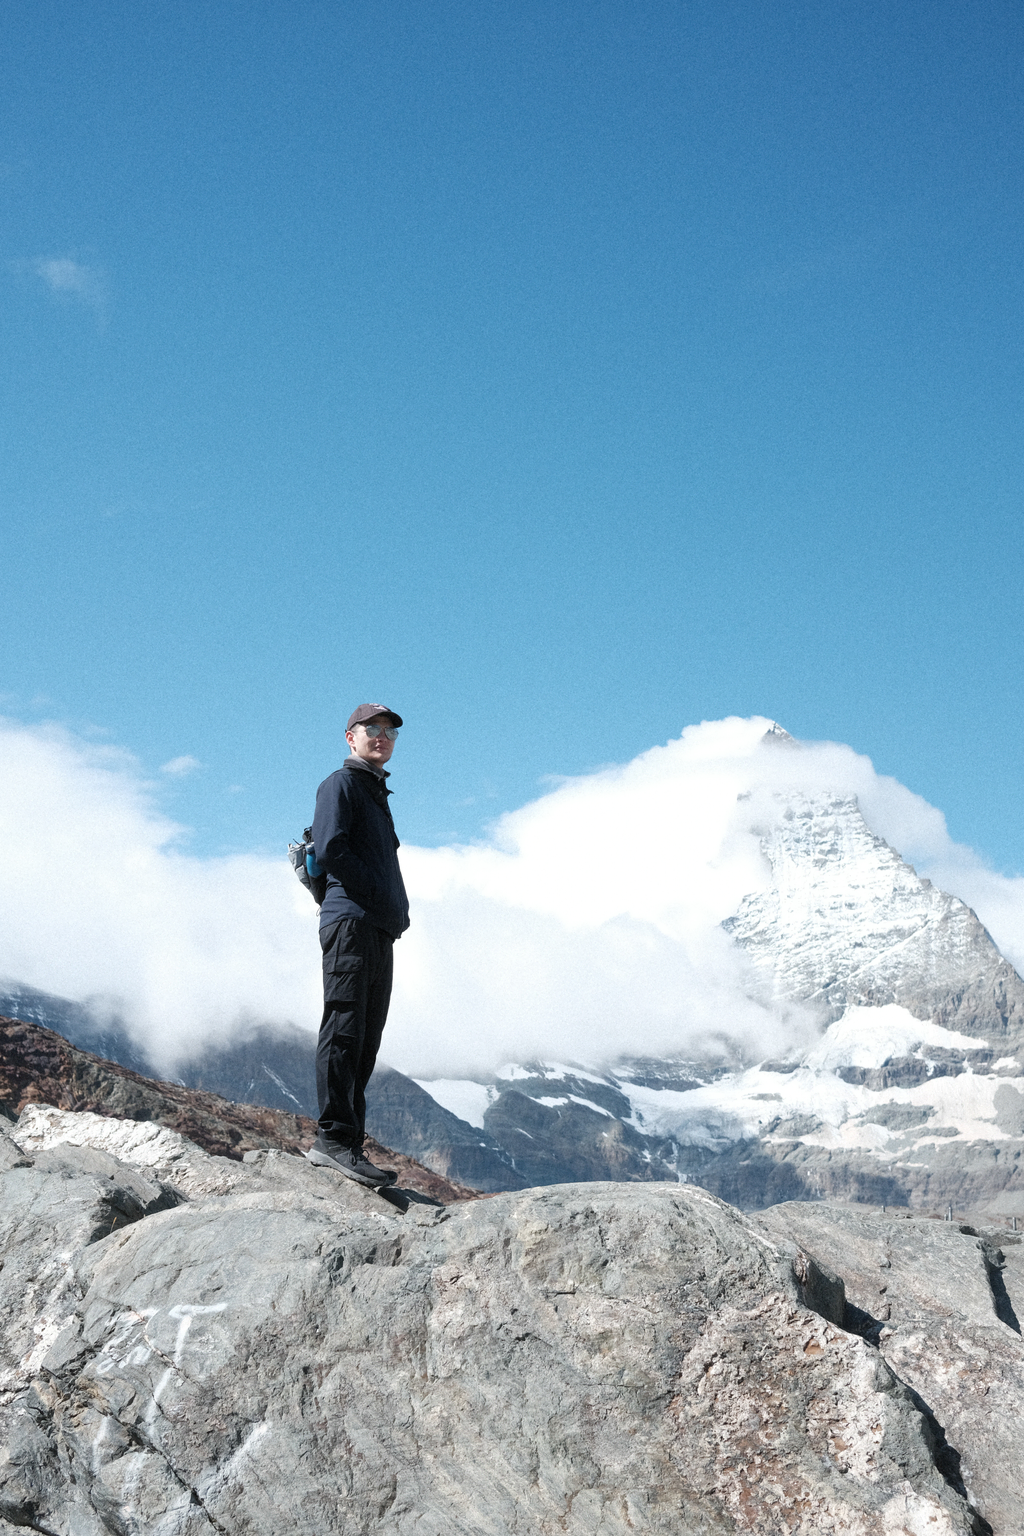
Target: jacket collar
[(373, 780), (360, 762)]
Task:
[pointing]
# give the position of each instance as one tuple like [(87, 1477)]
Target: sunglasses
[(373, 731)]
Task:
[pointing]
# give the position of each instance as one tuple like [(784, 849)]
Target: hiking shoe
[(349, 1161)]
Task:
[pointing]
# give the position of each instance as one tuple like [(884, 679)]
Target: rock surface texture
[(198, 1345), (942, 1302)]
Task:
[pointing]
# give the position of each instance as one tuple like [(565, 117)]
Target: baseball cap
[(367, 712)]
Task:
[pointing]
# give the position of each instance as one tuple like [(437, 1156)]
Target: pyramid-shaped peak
[(775, 733)]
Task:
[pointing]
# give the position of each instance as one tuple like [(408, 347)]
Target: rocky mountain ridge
[(38, 1066), (270, 1065), (196, 1345)]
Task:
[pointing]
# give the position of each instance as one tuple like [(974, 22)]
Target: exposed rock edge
[(197, 1345)]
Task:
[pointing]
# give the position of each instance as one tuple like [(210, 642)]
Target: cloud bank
[(97, 903), (587, 926)]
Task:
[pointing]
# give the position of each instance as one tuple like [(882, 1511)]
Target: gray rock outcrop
[(943, 1304), (197, 1345)]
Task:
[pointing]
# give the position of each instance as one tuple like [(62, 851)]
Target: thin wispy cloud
[(180, 767), (68, 279)]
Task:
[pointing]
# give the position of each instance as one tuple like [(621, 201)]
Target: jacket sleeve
[(332, 826)]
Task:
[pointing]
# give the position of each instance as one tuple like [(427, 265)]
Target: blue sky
[(560, 374)]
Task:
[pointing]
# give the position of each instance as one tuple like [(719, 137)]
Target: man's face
[(372, 749)]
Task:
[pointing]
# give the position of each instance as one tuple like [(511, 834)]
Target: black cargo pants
[(357, 991)]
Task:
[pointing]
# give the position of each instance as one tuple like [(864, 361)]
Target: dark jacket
[(354, 839)]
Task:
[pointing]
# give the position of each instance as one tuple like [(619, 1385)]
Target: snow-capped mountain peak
[(846, 922)]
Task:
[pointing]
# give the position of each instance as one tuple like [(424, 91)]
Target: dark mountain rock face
[(545, 1127), (564, 1141), (105, 1038), (271, 1065), (196, 1345), (403, 1115), (981, 1176)]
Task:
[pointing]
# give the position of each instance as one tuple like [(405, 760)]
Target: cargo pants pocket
[(344, 962)]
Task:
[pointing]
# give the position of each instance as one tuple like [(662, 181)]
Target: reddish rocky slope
[(38, 1066)]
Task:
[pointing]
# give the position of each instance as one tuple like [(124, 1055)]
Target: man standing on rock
[(364, 911)]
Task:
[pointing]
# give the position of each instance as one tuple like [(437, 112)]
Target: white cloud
[(69, 279), (97, 901), (180, 767), (587, 926)]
